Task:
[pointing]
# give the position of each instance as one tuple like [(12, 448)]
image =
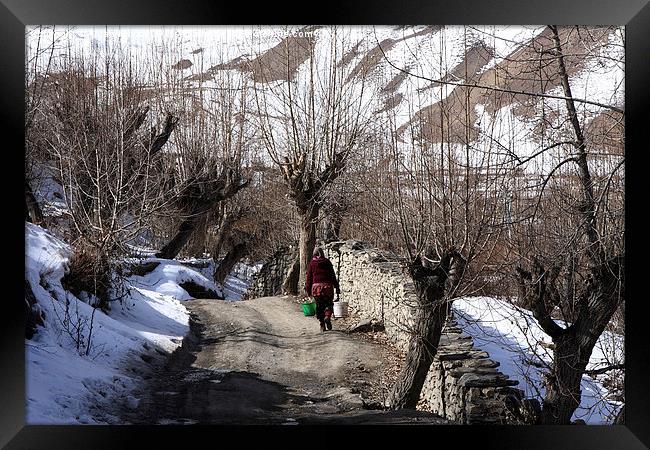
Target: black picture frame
[(16, 14)]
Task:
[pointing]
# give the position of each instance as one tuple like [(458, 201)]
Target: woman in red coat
[(320, 283)]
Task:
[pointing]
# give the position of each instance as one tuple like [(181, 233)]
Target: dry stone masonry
[(463, 384), (269, 279)]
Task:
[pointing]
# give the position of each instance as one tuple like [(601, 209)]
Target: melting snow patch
[(512, 337), (76, 376)]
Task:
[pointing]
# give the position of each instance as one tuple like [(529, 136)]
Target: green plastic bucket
[(308, 309)]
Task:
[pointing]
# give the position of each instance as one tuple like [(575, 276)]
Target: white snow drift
[(512, 337), (76, 364)]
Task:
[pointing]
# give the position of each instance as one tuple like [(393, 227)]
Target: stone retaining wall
[(269, 279)]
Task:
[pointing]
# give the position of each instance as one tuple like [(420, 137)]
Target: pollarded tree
[(440, 185), (211, 152), (432, 286), (198, 196), (311, 121), (589, 287)]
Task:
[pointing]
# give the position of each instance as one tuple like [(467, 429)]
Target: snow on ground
[(239, 280), (72, 375), (167, 276), (236, 284), (512, 337)]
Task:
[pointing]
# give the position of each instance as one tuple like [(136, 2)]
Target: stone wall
[(463, 384), (269, 279)]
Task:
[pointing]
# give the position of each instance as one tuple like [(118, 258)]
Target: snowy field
[(512, 337), (76, 365)]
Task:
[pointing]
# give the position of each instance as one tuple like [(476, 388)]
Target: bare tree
[(88, 124), (595, 298), (442, 195), (431, 284), (515, 227), (311, 123), (211, 154)]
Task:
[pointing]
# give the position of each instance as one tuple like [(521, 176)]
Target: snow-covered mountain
[(472, 78), (401, 67)]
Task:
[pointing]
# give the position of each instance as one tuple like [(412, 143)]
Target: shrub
[(89, 271)]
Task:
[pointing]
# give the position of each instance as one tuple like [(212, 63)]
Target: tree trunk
[(431, 313), (33, 212), (224, 231), (307, 243), (290, 284), (196, 246), (563, 384), (430, 316), (232, 257), (173, 247), (601, 294)]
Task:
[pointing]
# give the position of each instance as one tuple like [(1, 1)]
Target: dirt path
[(262, 361)]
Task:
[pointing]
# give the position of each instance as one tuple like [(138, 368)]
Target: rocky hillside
[(421, 76), (512, 59)]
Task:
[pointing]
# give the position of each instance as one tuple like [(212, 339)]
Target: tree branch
[(160, 140), (605, 369)]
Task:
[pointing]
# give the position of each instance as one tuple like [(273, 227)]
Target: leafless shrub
[(89, 272)]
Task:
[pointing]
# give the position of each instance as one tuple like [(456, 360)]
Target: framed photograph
[(337, 219)]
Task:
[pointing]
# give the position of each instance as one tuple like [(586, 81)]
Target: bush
[(89, 271)]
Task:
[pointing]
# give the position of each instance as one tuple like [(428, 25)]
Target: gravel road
[(261, 361)]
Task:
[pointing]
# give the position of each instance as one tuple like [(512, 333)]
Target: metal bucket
[(340, 309)]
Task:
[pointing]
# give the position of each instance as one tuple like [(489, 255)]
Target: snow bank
[(239, 280), (74, 376), (512, 337), (236, 283), (168, 275)]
